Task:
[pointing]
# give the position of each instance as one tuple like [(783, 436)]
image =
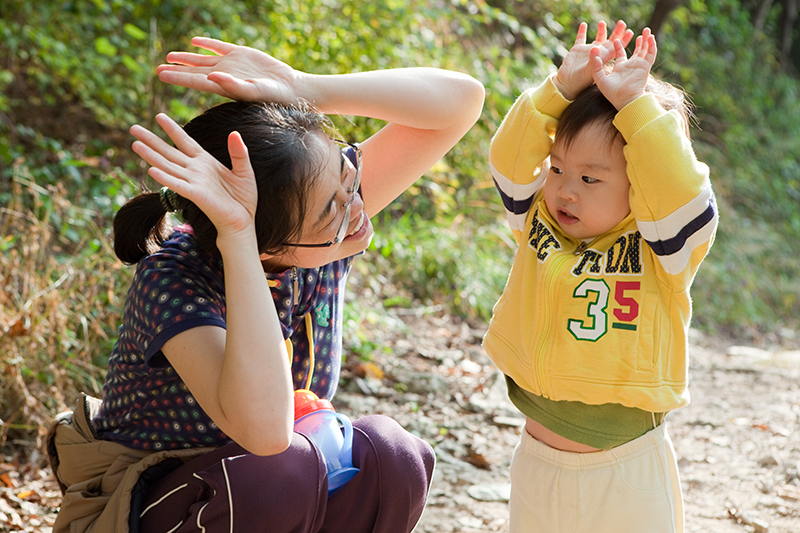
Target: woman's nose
[(357, 204)]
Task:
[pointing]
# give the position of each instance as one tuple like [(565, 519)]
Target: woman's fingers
[(191, 59), (157, 161), (213, 45), (158, 146), (240, 159), (168, 180), (182, 140)]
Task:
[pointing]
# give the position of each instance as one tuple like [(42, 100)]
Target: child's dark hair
[(591, 107), (285, 168)]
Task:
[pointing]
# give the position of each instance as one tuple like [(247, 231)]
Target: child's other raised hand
[(628, 77), (575, 73)]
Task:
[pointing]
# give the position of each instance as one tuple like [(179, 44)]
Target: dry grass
[(59, 308)]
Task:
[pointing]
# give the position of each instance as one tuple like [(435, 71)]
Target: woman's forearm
[(255, 388), (424, 98)]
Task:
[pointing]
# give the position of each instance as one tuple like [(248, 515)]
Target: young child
[(613, 215)]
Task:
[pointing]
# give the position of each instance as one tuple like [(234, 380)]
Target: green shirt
[(603, 426)]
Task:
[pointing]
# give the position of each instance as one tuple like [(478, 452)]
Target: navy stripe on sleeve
[(673, 245), (512, 205)]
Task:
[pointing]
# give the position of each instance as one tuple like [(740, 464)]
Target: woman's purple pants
[(229, 490)]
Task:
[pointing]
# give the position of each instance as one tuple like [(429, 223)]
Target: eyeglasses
[(353, 153)]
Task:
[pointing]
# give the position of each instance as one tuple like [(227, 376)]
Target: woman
[(233, 311)]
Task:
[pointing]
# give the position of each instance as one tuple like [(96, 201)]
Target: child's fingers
[(602, 32), (642, 43), (626, 37), (650, 56), (618, 31), (596, 62), (619, 52), (580, 38)]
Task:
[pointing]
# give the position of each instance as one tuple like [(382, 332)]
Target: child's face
[(586, 190)]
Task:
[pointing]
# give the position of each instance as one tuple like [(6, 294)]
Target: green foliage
[(75, 74), (749, 115)]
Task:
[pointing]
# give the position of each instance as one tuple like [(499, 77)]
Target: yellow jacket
[(604, 321)]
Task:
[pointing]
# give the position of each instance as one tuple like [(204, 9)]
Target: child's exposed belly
[(545, 436)]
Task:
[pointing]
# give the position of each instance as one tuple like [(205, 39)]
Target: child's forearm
[(525, 137)]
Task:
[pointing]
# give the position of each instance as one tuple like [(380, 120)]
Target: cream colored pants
[(633, 488)]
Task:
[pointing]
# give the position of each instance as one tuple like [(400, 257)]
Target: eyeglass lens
[(352, 155)]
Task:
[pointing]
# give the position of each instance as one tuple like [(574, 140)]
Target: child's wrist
[(627, 100), (566, 91)]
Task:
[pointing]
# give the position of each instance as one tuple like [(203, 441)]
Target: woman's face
[(326, 210)]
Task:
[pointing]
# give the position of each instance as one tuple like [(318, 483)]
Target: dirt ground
[(738, 442)]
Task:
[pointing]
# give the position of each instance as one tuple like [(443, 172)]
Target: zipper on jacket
[(548, 290), (551, 276), (295, 285)]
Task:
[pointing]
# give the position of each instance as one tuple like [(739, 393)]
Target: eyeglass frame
[(341, 232)]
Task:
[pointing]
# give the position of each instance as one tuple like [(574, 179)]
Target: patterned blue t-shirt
[(146, 405)]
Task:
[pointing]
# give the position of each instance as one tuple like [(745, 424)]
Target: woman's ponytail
[(140, 226)]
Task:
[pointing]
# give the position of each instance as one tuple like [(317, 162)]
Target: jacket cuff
[(637, 114), (547, 100)]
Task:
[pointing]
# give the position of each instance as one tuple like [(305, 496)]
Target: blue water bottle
[(316, 418)]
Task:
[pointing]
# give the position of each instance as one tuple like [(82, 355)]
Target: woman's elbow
[(266, 443), (471, 98)]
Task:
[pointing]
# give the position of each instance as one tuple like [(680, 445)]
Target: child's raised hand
[(628, 77), (227, 197), (575, 73)]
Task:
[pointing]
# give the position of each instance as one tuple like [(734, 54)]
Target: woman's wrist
[(237, 241)]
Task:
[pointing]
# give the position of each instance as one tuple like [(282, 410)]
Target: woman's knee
[(398, 453), (296, 473)]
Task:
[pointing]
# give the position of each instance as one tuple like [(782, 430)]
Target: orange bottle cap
[(305, 402)]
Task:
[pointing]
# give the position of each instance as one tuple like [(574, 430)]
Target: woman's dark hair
[(591, 107), (285, 169)]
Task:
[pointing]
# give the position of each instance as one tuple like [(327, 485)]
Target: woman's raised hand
[(628, 77), (575, 73), (236, 72), (227, 197)]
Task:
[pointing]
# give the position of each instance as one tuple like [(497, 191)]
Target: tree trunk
[(789, 18), (661, 10), (761, 15)]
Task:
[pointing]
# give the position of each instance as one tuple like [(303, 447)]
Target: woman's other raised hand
[(236, 72)]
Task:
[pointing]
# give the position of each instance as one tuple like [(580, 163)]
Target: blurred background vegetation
[(75, 74)]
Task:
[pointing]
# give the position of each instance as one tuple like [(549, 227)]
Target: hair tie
[(169, 199)]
